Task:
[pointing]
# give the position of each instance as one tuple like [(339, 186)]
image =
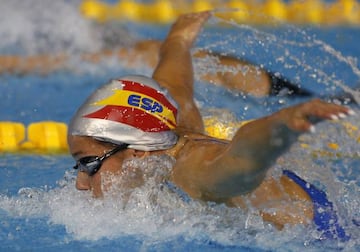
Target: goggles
[(92, 164)]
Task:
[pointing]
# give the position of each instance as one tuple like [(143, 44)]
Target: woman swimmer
[(137, 116), (256, 81)]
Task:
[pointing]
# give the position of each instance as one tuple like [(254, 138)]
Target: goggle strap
[(113, 151)]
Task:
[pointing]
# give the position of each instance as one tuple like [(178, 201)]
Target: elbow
[(246, 183), (237, 185)]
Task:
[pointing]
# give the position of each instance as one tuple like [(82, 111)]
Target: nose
[(82, 181)]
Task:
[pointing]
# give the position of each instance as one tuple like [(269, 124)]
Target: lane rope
[(305, 12), (51, 136)]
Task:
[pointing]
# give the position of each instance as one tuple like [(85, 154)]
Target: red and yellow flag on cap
[(139, 106)]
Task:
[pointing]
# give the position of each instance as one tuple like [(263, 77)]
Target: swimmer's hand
[(302, 117), (187, 27)]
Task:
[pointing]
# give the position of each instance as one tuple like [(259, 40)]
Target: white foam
[(151, 210), (154, 213), (42, 26)]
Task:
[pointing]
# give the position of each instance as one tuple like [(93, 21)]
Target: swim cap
[(133, 110)]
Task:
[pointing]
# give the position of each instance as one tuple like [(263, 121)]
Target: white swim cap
[(133, 110)]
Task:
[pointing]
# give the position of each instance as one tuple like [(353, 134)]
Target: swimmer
[(136, 116), (257, 81)]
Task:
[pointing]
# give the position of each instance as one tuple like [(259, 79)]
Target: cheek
[(112, 166), (121, 174), (132, 173), (109, 173), (95, 183)]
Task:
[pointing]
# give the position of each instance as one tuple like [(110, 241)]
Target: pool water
[(40, 209)]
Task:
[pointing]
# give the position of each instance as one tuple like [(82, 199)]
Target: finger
[(301, 125), (326, 110)]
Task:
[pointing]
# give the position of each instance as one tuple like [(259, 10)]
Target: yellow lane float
[(47, 136), (51, 137), (11, 135), (300, 12)]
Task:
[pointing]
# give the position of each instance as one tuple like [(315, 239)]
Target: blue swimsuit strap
[(325, 217)]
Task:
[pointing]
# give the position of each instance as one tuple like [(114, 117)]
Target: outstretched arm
[(241, 167), (42, 64), (235, 74)]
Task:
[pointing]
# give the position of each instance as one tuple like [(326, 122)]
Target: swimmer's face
[(85, 146)]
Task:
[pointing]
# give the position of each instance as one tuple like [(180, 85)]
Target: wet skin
[(207, 169)]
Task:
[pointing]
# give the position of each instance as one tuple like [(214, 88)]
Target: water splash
[(41, 26), (295, 52), (155, 214)]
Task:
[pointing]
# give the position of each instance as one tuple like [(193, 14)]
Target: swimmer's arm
[(42, 63), (232, 73), (48, 63), (142, 51), (242, 167), (257, 145), (175, 71), (235, 74)]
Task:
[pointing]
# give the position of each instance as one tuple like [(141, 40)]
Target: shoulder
[(194, 144), (194, 156)]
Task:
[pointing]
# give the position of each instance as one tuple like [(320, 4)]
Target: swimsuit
[(325, 217)]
